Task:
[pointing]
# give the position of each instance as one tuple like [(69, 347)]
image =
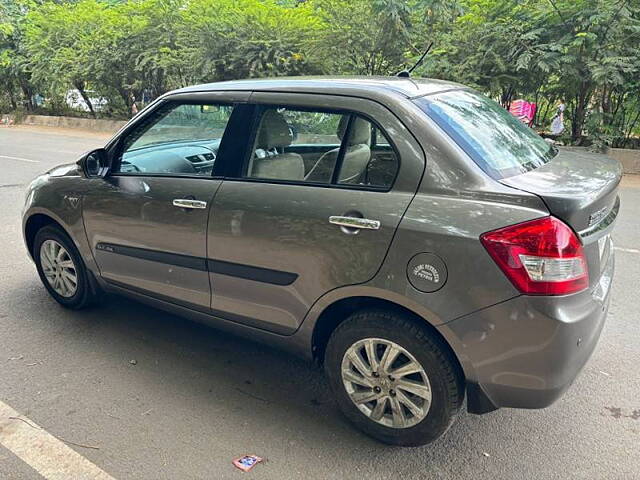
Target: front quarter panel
[(58, 195)]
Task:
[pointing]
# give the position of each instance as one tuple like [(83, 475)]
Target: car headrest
[(360, 130), (274, 131)]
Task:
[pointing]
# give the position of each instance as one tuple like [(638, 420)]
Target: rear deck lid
[(580, 188)]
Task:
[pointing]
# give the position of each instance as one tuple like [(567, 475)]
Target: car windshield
[(498, 142)]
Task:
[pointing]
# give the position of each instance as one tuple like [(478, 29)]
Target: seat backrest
[(268, 160), (356, 157)]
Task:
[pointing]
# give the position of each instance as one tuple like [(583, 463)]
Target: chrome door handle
[(189, 203), (355, 222)]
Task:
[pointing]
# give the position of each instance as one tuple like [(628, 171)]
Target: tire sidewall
[(78, 299), (440, 414)]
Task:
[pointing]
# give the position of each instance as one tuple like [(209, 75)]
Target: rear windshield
[(498, 142)]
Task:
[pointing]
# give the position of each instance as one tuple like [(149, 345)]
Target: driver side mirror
[(95, 163)]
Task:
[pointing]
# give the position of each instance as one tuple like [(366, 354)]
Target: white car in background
[(74, 100)]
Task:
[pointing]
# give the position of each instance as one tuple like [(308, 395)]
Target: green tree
[(15, 78), (227, 39), (366, 37), (584, 51)]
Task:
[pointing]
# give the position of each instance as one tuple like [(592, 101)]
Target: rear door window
[(497, 142), (320, 147), (295, 145)]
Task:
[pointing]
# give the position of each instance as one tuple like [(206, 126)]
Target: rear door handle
[(355, 222), (188, 203)]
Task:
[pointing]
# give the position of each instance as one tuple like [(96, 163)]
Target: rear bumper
[(526, 352)]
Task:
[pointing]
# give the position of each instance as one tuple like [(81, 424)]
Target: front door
[(147, 221), (313, 207)]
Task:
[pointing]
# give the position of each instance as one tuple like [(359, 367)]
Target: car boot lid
[(579, 188)]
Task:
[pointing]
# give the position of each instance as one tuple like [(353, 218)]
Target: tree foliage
[(581, 51)]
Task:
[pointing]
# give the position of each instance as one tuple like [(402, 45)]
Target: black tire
[(84, 295), (445, 378)]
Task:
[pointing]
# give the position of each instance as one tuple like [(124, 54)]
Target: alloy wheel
[(58, 268), (386, 383)]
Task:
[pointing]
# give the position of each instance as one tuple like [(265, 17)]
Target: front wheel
[(393, 379), (61, 268)]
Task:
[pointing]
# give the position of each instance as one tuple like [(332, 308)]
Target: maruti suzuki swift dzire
[(408, 234)]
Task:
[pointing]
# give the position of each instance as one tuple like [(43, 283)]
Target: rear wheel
[(61, 268), (393, 379)]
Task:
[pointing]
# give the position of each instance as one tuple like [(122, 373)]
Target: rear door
[(147, 221), (312, 207)]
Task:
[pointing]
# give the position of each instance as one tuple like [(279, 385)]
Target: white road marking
[(45, 453), (627, 250), (20, 159)]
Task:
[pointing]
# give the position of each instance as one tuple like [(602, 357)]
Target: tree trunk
[(629, 132), (12, 99), (80, 87), (506, 96), (580, 112), (126, 98), (550, 101), (28, 94)]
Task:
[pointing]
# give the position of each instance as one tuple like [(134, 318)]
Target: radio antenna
[(407, 73)]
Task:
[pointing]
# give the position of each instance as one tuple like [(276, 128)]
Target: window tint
[(365, 162), (317, 128), (307, 146), (295, 145), (497, 141), (178, 139)]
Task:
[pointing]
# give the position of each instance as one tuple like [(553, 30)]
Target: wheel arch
[(338, 311), (37, 221)]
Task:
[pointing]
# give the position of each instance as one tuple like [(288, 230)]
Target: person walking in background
[(134, 106), (557, 124)]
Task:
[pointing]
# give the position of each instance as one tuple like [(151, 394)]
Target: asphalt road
[(197, 398)]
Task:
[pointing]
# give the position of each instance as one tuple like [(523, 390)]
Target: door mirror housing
[(95, 163)]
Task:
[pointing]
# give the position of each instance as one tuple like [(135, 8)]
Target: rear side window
[(497, 141), (320, 147)]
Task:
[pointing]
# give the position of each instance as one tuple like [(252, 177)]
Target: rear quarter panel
[(455, 204)]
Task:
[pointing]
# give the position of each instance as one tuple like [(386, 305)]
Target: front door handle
[(188, 203), (355, 222)]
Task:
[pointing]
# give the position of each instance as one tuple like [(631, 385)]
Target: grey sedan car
[(408, 234)]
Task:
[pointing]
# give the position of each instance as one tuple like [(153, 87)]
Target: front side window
[(498, 142), (175, 139), (320, 147)]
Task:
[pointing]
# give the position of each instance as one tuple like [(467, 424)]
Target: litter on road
[(247, 462)]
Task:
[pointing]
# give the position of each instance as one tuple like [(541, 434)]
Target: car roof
[(355, 85)]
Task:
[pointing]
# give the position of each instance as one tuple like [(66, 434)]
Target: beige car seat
[(356, 157), (268, 160)]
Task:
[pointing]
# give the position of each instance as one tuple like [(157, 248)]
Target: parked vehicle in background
[(409, 234), (74, 100)]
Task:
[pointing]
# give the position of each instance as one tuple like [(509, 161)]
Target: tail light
[(540, 257)]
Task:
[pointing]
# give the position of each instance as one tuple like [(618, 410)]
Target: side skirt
[(290, 343)]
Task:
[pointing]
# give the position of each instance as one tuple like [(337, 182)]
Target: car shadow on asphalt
[(252, 387)]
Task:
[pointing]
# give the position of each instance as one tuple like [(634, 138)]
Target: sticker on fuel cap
[(427, 272)]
